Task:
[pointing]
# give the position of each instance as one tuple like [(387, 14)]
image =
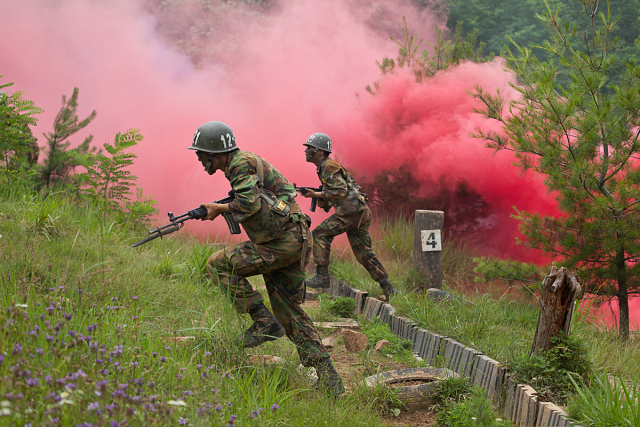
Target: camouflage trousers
[(357, 228), (279, 263)]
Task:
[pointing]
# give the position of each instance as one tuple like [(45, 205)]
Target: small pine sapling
[(111, 184), (60, 160)]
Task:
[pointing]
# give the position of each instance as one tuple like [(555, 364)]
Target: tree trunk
[(560, 290), (622, 295)]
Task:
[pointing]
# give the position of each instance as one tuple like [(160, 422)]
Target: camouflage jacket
[(339, 189), (264, 201)]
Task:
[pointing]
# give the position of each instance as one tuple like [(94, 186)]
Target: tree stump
[(560, 290)]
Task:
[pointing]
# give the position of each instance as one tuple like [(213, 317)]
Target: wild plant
[(604, 400), (43, 214), (472, 409), (551, 373), (342, 307), (17, 143)]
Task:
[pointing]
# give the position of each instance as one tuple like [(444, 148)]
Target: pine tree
[(60, 161), (584, 138)]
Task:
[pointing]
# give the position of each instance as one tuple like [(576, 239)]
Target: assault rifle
[(177, 222), (303, 191)]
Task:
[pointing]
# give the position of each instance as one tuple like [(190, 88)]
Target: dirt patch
[(414, 417)]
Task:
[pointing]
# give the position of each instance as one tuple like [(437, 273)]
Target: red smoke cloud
[(275, 78), (426, 126)]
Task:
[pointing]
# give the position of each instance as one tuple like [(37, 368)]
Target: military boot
[(265, 328), (387, 288), (321, 279), (329, 380)]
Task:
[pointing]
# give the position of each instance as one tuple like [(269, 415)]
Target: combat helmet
[(320, 141), (214, 137)]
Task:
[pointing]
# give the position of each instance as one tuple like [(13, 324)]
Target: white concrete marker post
[(427, 247)]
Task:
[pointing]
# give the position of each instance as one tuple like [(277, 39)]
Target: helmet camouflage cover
[(320, 141), (214, 137)]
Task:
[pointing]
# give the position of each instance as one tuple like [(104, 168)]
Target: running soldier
[(352, 215), (279, 247)]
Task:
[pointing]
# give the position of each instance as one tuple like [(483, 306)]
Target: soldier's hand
[(213, 210), (309, 194), (320, 203)]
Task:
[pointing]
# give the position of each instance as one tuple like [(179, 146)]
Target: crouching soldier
[(279, 247), (352, 215)]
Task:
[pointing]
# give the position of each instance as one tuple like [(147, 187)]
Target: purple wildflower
[(182, 421), (274, 407), (40, 351), (68, 316), (17, 348)]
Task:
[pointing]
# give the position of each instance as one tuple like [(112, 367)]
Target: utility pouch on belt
[(273, 215)]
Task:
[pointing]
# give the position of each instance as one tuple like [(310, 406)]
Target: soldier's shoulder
[(333, 166)]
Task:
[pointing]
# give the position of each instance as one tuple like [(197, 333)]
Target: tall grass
[(607, 401), (88, 328)]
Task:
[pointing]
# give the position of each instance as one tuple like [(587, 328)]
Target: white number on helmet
[(224, 141), (196, 137)]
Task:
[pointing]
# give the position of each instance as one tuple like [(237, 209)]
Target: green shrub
[(376, 332), (474, 409), (550, 373), (451, 390), (342, 307)]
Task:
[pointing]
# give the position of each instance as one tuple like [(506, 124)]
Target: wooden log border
[(517, 402)]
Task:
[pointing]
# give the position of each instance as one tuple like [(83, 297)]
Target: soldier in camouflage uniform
[(279, 247), (352, 215)]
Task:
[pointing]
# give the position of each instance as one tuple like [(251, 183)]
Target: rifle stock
[(177, 222)]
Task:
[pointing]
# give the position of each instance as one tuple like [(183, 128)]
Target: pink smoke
[(275, 79)]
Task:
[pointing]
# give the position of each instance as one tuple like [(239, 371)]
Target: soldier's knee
[(217, 263)]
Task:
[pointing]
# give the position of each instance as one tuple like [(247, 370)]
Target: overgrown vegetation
[(582, 137), (472, 409), (342, 307), (377, 332), (552, 373)]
